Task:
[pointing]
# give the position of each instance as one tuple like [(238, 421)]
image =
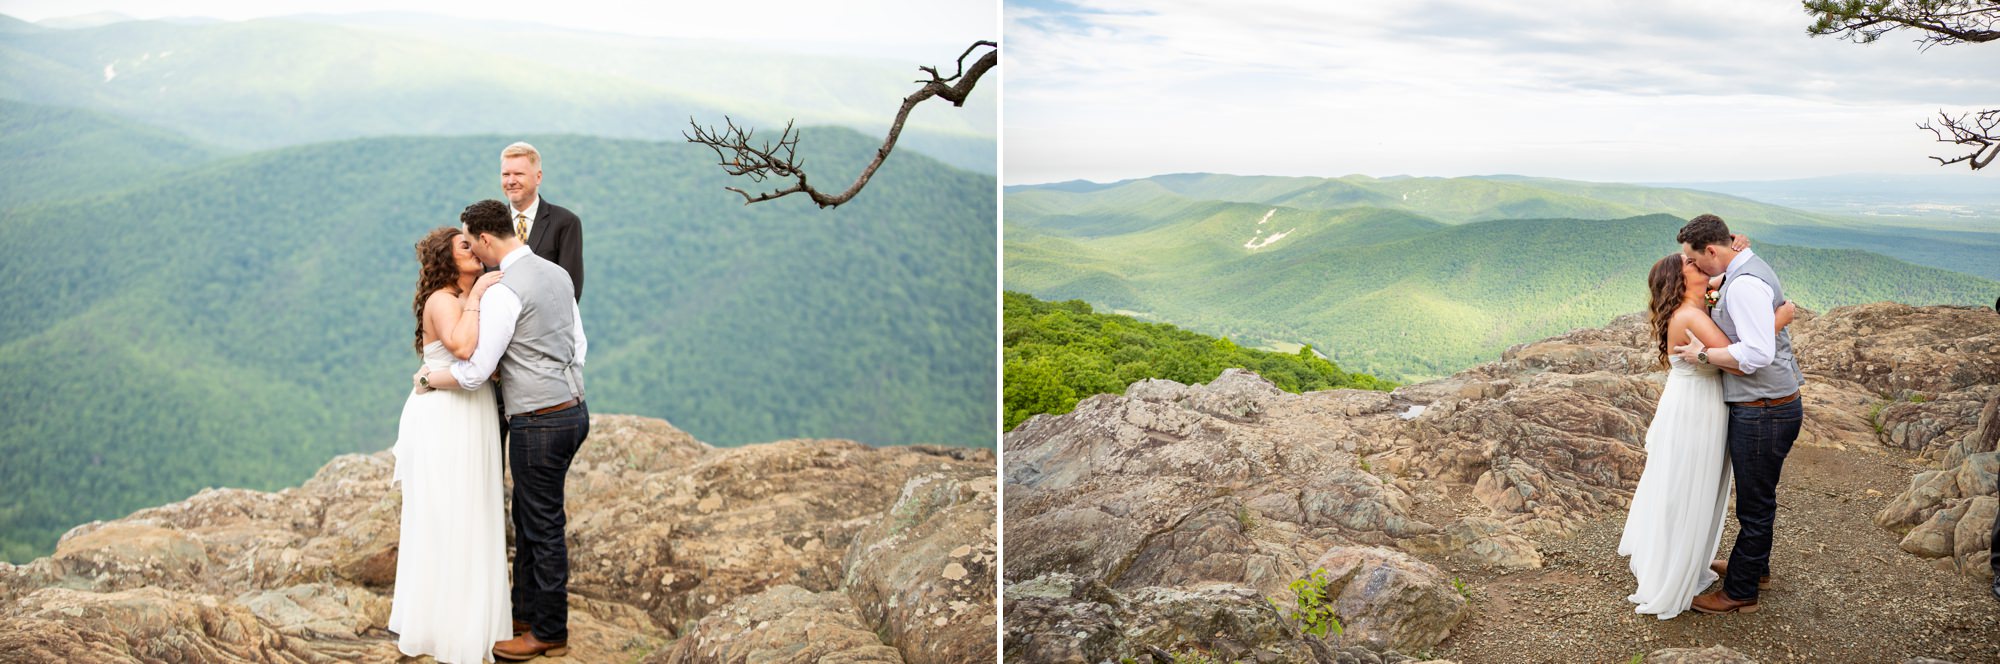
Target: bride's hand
[(485, 281), (1738, 242)]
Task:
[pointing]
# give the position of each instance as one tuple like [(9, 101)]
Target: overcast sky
[(1603, 90), (873, 27)]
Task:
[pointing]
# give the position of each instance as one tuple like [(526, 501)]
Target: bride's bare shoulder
[(441, 298)]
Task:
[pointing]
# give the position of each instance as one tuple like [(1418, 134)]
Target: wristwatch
[(1702, 356), (426, 379)]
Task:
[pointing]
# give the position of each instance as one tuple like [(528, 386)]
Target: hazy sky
[(876, 27), (1606, 90)]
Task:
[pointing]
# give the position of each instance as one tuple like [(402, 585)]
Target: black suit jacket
[(558, 236)]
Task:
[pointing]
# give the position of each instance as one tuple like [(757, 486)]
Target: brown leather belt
[(1767, 403), (566, 404)]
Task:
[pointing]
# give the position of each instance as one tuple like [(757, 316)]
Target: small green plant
[(1311, 609), (1875, 417), (1916, 397), (1244, 519), (1463, 590), (1637, 657), (1365, 467)]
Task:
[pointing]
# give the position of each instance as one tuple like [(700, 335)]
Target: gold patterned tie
[(521, 225)]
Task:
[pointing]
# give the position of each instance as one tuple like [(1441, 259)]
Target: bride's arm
[(1703, 329), (463, 337)]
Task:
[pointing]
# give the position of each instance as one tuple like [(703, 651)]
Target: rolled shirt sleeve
[(1748, 300), (582, 344), (500, 310)]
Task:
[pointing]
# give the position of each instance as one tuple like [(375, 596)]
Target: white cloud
[(1692, 89)]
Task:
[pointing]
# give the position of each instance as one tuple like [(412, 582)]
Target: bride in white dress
[(1676, 518), (451, 598)]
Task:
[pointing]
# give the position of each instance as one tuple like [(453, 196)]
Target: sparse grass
[(1917, 397), (1463, 589), (1244, 519), (1875, 417), (1364, 465)]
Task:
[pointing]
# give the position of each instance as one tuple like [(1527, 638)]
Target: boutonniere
[(1713, 297)]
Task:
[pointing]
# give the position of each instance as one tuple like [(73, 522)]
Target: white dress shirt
[(534, 207), (499, 312), (1748, 301)]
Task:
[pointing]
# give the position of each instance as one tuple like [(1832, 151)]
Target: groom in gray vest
[(1761, 385), (531, 332)]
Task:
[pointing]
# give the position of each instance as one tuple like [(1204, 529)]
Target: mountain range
[(1414, 278)]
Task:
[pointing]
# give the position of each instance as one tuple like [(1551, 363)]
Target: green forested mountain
[(61, 153), (1387, 291), (1059, 353), (1084, 208), (287, 81), (238, 322)]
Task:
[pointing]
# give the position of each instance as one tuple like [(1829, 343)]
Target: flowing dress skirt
[(1677, 511), (452, 600)]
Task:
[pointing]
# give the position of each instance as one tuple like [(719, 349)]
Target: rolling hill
[(1082, 207), (1389, 290), (238, 321), (66, 152)]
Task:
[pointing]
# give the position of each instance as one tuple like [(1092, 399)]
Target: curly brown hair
[(438, 271), (1668, 289)]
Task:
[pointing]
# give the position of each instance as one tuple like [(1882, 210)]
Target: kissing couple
[(1728, 414), (520, 326)]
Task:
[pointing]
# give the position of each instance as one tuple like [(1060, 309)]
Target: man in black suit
[(550, 231)]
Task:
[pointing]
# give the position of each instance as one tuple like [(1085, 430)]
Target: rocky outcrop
[(1897, 349), (668, 537), (1171, 518), (1948, 513)]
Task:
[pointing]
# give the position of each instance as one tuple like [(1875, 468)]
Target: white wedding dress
[(451, 597), (1677, 512)]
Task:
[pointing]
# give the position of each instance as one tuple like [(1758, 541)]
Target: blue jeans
[(539, 450), (1759, 439)]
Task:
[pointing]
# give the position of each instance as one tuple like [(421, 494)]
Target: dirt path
[(1843, 591)]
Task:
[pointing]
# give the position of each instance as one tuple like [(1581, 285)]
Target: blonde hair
[(519, 149)]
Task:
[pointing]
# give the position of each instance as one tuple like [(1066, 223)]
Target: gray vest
[(539, 367), (1779, 379)]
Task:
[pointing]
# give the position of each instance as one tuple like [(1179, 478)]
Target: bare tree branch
[(737, 155), (1980, 131), (1938, 23)]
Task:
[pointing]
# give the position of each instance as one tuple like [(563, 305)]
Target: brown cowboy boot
[(526, 647), (1720, 602)]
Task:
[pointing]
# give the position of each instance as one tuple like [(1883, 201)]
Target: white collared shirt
[(499, 312), (534, 207), (1748, 301)]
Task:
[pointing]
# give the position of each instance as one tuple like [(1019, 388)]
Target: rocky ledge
[(792, 551), (1170, 521)]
